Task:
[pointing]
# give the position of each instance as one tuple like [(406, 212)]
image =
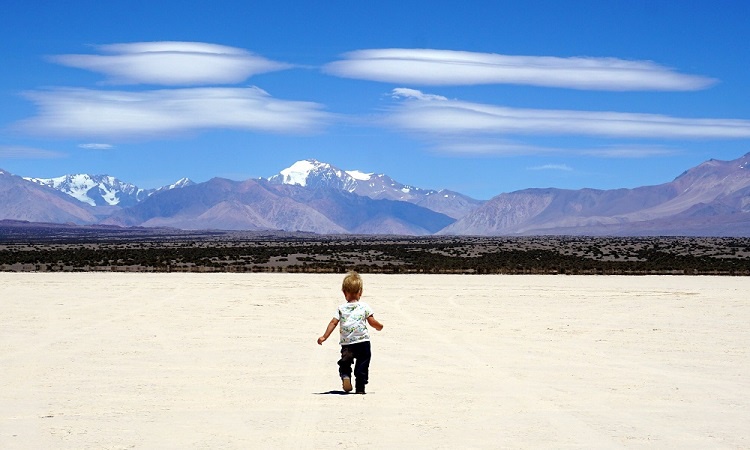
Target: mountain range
[(102, 190), (711, 199)]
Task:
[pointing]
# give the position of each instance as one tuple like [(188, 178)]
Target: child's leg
[(345, 367), (363, 355), (345, 363)]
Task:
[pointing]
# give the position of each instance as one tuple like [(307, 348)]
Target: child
[(355, 340)]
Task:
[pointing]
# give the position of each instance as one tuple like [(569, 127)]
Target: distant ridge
[(711, 199), (261, 205)]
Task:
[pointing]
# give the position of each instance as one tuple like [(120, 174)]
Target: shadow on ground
[(332, 393)]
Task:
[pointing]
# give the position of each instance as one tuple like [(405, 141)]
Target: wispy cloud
[(458, 118), (447, 67), (172, 63), (84, 113), (23, 152), (629, 151), (488, 146), (557, 167), (483, 146), (96, 146)]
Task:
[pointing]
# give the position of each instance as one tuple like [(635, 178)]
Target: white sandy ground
[(160, 361)]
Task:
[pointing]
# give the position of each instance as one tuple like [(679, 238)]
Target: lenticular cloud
[(429, 115), (172, 63), (134, 115), (447, 67)]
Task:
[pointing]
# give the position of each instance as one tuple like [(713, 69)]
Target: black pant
[(361, 353)]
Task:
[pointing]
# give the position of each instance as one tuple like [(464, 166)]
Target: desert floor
[(94, 360)]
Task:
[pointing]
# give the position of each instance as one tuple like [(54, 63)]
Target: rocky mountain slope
[(710, 199), (262, 205)]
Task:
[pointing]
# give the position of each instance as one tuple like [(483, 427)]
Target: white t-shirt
[(352, 317)]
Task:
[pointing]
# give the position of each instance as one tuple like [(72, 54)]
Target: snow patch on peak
[(298, 172), (95, 190), (312, 173), (360, 176), (77, 186), (182, 182)]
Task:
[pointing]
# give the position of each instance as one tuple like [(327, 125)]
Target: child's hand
[(374, 323), (329, 329)]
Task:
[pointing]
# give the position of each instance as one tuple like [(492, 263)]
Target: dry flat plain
[(116, 361)]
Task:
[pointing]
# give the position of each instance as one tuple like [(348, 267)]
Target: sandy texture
[(230, 361)]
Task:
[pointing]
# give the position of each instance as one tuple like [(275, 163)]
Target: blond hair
[(352, 283)]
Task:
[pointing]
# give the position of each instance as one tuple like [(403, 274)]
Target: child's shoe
[(346, 382)]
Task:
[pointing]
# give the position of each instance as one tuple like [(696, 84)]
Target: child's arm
[(374, 323), (331, 326)]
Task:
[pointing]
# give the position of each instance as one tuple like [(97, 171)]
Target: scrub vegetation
[(55, 248)]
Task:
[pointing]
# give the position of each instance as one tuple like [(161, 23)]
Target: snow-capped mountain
[(102, 190), (24, 200), (181, 183), (314, 174)]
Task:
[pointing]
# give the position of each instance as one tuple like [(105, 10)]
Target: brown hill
[(710, 199)]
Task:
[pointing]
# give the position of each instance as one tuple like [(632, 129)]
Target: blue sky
[(481, 97)]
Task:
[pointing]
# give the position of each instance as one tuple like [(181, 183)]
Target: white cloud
[(96, 146), (172, 63), (84, 113), (560, 167), (399, 93), (447, 67), (458, 118), (23, 152)]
